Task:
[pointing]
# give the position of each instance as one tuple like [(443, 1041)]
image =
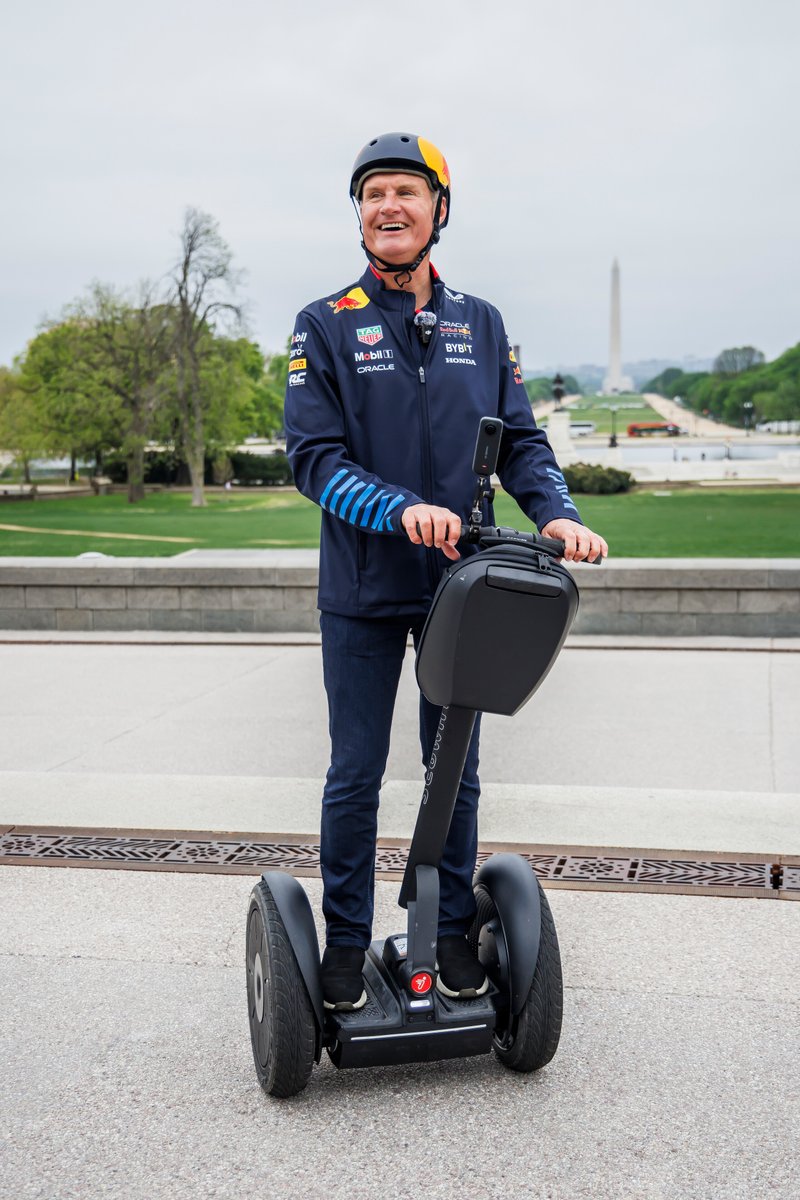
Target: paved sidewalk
[(124, 1041), (126, 1050), (685, 748)]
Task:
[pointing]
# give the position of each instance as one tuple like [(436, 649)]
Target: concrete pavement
[(227, 736), (125, 1051)]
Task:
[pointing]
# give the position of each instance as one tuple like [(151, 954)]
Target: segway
[(497, 623)]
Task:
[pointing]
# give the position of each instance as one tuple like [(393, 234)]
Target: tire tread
[(293, 1035), (538, 1026)]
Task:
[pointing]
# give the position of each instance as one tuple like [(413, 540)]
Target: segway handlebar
[(499, 535)]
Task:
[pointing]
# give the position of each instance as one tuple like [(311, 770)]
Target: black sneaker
[(461, 976), (342, 985)]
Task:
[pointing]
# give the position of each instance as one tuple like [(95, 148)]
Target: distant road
[(697, 426)]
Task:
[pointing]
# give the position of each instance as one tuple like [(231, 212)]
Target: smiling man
[(388, 379)]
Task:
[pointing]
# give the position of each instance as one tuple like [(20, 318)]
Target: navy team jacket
[(376, 422)]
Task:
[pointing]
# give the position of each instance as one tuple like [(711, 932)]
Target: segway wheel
[(528, 1041), (282, 1028)]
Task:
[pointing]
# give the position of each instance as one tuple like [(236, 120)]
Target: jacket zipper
[(427, 453)]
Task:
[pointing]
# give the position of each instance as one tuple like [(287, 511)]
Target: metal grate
[(572, 867)]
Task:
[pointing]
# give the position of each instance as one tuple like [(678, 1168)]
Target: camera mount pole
[(484, 464)]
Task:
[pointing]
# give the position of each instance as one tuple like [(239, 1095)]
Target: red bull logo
[(355, 298)]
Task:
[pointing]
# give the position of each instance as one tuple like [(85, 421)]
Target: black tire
[(282, 1026), (528, 1041)]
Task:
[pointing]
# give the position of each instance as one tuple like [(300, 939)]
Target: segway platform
[(397, 1027)]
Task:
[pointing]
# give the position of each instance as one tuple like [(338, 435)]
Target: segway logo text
[(434, 756)]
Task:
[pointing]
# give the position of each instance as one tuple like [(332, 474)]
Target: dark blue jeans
[(361, 662)]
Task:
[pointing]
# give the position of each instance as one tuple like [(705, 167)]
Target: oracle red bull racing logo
[(355, 298)]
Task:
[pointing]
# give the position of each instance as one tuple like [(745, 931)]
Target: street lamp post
[(748, 416), (612, 441)]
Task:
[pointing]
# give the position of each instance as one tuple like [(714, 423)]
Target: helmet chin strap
[(402, 272)]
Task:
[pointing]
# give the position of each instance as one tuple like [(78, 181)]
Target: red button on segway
[(421, 983)]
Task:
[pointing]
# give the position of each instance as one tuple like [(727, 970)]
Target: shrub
[(252, 470), (595, 480), (160, 466), (165, 466)]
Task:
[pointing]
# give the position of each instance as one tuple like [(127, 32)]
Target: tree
[(736, 360), (205, 285), (64, 413), (662, 384), (270, 392), (228, 377), (19, 431), (262, 414), (99, 374), (128, 360)]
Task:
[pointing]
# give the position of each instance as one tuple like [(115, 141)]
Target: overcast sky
[(665, 134)]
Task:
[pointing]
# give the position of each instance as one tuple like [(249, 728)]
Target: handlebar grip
[(555, 545), (499, 535)]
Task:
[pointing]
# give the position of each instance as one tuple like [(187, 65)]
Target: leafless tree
[(205, 284), (737, 359)]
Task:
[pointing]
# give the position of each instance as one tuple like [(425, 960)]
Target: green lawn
[(598, 410), (691, 522), (163, 524)]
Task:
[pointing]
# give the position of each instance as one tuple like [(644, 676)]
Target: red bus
[(653, 428)]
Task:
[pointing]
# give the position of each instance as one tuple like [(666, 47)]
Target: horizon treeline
[(741, 389)]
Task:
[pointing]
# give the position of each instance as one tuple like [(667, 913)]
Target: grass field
[(691, 522), (598, 410)]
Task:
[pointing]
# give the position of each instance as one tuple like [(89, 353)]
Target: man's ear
[(442, 211)]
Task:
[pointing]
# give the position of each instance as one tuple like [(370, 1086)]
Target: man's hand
[(426, 524), (579, 542)]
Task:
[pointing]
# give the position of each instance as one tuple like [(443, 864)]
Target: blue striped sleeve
[(397, 500), (348, 500), (334, 479), (368, 490), (340, 491), (368, 509), (376, 524), (561, 487), (354, 500)]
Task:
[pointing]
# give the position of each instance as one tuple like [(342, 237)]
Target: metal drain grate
[(245, 854)]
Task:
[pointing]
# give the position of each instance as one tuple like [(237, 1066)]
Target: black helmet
[(403, 152), (412, 155)]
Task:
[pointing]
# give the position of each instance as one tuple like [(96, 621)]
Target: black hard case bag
[(494, 630)]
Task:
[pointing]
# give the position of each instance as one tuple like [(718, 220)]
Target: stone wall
[(268, 591)]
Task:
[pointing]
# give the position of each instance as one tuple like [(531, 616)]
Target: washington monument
[(615, 382)]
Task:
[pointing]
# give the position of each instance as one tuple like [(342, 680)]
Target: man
[(388, 379)]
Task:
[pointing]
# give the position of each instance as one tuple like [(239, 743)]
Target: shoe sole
[(465, 993), (347, 1005)]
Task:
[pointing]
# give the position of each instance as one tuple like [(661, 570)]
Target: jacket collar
[(393, 298)]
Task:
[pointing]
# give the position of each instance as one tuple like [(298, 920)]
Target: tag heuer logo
[(370, 335)]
